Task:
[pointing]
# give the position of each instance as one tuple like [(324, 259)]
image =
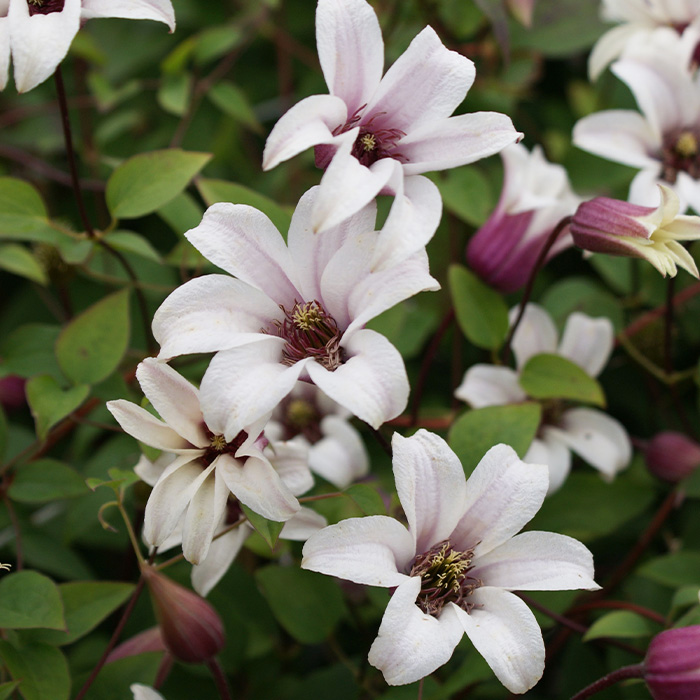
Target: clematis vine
[(375, 134), (294, 311), (454, 568), (596, 437), (38, 33)]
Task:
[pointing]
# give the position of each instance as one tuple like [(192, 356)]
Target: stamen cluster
[(218, 446), (45, 7), (681, 153)]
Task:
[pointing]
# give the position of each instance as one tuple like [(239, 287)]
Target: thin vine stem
[(621, 674), (219, 678)]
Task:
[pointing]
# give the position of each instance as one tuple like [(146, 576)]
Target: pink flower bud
[(672, 664), (191, 629), (148, 640), (522, 10), (12, 392), (672, 456)]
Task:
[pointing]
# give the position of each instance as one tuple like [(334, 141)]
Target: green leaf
[(130, 242), (119, 481), (620, 624), (476, 431), (41, 668), (18, 260), (181, 213), (116, 677), (269, 530), (213, 191), (28, 351), (548, 376), (91, 346), (407, 326), (308, 605), (231, 100), (46, 480), (175, 92), (366, 498), (29, 599), (49, 403), (214, 42), (23, 214), (466, 193), (684, 597), (481, 312), (6, 689), (675, 570), (147, 181)]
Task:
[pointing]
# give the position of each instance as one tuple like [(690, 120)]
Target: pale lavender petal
[(535, 334), (588, 342), (149, 471), (490, 385), (302, 525), (158, 10), (609, 47), (644, 189), (688, 190), (222, 551), (143, 692), (4, 50), (291, 461), (548, 449), (340, 456), (146, 428)]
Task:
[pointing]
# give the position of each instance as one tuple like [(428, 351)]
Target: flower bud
[(672, 456), (522, 10), (191, 629), (12, 392), (148, 640), (672, 664)]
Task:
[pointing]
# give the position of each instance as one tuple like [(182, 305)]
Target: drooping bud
[(191, 629), (672, 664), (672, 456)]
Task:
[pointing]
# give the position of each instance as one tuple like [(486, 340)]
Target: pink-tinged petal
[(175, 399), (340, 456), (489, 385), (158, 10), (373, 550), (244, 242), (427, 82), (431, 486), (410, 644), (302, 525), (291, 461), (599, 439), (351, 50), (40, 42), (308, 123), (506, 634), (456, 141), (535, 334), (537, 561), (257, 485), (4, 50), (620, 135), (146, 428), (212, 313), (149, 471), (244, 384), (588, 342), (503, 494), (549, 450), (609, 47), (372, 383), (222, 551), (203, 517)]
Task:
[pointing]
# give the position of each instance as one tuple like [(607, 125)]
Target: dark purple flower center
[(681, 153), (444, 574), (219, 446), (45, 7), (300, 416)]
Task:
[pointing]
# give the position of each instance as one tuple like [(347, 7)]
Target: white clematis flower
[(38, 33), (209, 464), (377, 134), (295, 311), (596, 437), (144, 692), (455, 566)]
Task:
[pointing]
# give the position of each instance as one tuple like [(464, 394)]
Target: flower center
[(310, 331), (218, 446), (45, 7), (681, 153), (302, 417), (444, 573)]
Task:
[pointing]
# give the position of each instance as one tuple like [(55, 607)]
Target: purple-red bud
[(191, 629), (672, 664), (12, 392), (672, 456), (148, 640)]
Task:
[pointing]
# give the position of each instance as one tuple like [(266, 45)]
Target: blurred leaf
[(366, 498), (548, 376), (116, 677), (675, 570), (476, 431), (46, 552), (231, 100), (620, 624), (46, 480), (92, 345), (42, 670), (28, 350), (407, 326), (691, 485), (130, 242), (616, 271), (181, 213), (120, 479), (147, 181), (6, 689), (49, 403), (20, 261), (23, 215), (308, 605), (30, 599), (213, 43), (466, 193), (684, 597), (174, 93), (269, 530), (481, 312)]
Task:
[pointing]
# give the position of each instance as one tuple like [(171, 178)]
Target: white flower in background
[(663, 141), (295, 311), (38, 33), (210, 462), (596, 437), (455, 566), (639, 19), (308, 417), (143, 692), (377, 134)]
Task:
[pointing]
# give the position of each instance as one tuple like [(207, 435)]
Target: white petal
[(549, 450), (599, 439), (506, 634), (291, 461), (302, 525), (537, 561), (222, 552), (373, 550), (372, 383), (588, 342), (4, 51), (503, 494), (490, 385), (535, 334), (158, 10), (410, 644), (149, 471), (609, 47), (431, 486), (340, 456), (644, 189), (146, 428), (143, 692), (351, 50)]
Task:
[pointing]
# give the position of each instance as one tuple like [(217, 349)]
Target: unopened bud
[(672, 456), (148, 640), (672, 664), (12, 392)]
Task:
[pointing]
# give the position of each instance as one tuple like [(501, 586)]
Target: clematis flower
[(377, 134), (209, 463), (295, 311), (611, 226), (143, 692), (38, 33), (454, 567), (536, 196), (596, 437)]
